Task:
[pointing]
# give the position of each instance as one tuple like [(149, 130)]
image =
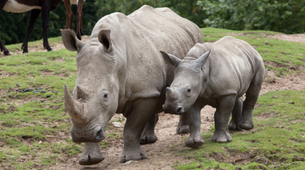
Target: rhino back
[(233, 64), (138, 38)]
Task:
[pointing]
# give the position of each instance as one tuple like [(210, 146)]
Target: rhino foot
[(234, 126), (147, 139), (132, 156), (194, 142), (184, 129), (91, 155), (247, 125), (221, 136)]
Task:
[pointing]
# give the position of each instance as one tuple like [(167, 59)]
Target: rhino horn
[(72, 106)]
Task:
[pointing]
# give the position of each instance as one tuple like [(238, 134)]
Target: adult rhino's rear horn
[(72, 106)]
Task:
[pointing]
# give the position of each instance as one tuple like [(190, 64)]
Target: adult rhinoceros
[(216, 74), (120, 70)]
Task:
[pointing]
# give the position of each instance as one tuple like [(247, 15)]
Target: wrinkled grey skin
[(120, 70), (216, 74)]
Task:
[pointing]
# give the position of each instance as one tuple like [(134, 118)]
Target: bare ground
[(163, 153)]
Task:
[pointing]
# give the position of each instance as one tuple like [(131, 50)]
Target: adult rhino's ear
[(171, 59), (104, 38), (70, 41), (199, 62)]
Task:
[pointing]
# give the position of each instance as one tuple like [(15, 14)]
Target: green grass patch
[(282, 57), (276, 142)]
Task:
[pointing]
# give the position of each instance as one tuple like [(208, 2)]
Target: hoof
[(185, 129), (49, 49), (246, 126), (90, 159), (233, 126), (221, 136), (147, 139), (6, 52), (195, 143), (127, 157)]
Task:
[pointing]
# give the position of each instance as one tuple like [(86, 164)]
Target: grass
[(278, 139), (34, 128), (276, 142), (282, 57)]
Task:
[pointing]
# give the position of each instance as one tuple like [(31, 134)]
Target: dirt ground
[(162, 154)]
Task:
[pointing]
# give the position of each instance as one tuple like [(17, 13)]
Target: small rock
[(117, 124), (41, 101), (43, 91), (17, 85), (291, 103), (48, 96)]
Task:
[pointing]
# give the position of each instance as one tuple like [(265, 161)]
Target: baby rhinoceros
[(216, 74)]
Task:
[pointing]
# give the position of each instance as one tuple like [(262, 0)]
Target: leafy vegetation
[(281, 15)]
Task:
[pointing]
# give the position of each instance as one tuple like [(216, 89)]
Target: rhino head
[(96, 93), (190, 80)]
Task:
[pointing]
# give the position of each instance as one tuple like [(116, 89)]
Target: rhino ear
[(171, 59), (70, 41), (199, 62), (104, 38)]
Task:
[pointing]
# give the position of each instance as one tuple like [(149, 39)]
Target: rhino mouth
[(97, 135), (178, 110)]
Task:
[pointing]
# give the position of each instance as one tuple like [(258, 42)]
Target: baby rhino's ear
[(202, 59), (170, 59)]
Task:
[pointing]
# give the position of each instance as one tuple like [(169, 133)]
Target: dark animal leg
[(221, 117), (45, 24), (2, 47), (141, 113), (236, 115), (251, 98), (183, 125), (79, 16), (195, 139), (69, 14), (33, 18), (148, 134)]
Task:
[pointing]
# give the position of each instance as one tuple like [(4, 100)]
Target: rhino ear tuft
[(202, 59), (171, 59), (70, 41), (104, 38)]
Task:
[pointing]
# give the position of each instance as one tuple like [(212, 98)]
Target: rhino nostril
[(179, 109), (100, 135)]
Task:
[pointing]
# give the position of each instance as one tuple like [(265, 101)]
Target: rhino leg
[(221, 117), (148, 134), (251, 98), (195, 139), (236, 115), (142, 111), (183, 125), (91, 155)]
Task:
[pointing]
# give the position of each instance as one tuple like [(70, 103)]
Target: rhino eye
[(189, 90), (106, 95)]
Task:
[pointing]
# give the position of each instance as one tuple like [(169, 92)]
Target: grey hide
[(120, 70), (216, 74)]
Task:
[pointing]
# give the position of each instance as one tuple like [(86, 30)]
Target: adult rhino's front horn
[(72, 107)]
